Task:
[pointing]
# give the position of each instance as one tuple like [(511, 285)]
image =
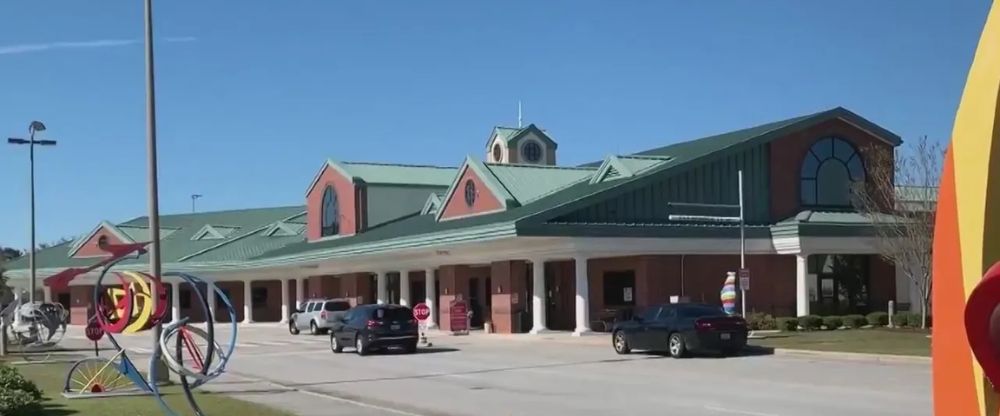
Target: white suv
[(318, 315)]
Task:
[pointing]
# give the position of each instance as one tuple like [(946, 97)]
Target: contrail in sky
[(101, 43)]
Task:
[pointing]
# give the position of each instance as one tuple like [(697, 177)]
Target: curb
[(855, 356)]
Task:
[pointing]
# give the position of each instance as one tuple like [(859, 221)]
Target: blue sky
[(254, 95)]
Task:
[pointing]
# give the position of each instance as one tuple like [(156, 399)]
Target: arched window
[(470, 193), (330, 213), (829, 169)]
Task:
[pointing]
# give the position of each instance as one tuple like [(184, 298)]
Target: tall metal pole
[(31, 253), (154, 210), (743, 246)]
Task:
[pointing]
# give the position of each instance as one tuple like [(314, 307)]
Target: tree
[(6, 254), (900, 199)]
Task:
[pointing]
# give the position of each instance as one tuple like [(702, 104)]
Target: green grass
[(870, 341), (50, 378)]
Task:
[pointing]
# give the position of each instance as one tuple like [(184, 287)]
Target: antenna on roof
[(518, 113)]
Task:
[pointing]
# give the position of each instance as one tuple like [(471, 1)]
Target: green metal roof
[(527, 183), (381, 173), (177, 246)]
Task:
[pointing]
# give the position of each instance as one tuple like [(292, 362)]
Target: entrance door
[(843, 283), (418, 292), (475, 303)]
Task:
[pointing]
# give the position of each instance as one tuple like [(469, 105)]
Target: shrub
[(18, 395), (913, 320), (902, 319), (788, 324), (878, 319), (855, 321), (761, 321), (832, 322), (810, 322)]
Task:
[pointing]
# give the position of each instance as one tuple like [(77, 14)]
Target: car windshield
[(698, 311), (393, 314), (336, 306)]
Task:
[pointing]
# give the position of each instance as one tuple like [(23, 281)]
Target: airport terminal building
[(532, 245)]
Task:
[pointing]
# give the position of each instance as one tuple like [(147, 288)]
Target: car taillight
[(322, 315), (372, 324), (702, 325)]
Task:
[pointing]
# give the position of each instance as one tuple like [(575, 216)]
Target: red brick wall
[(322, 287), (453, 280), (356, 287), (882, 283), (346, 203), (80, 299), (509, 280), (788, 152), (90, 248), (485, 200)]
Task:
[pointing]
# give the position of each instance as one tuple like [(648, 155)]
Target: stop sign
[(421, 311), (94, 331)]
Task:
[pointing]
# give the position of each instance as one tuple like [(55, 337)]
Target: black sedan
[(369, 328), (681, 329)]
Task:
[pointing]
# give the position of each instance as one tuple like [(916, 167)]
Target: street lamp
[(725, 219), (35, 126)]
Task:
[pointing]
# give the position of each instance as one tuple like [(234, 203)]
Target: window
[(698, 311), (470, 192), (497, 152), (619, 288), (102, 241), (393, 314), (531, 152), (649, 314), (184, 295), (336, 306), (258, 295), (313, 306), (330, 213), (829, 169)]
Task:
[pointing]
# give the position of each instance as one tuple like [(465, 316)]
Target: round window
[(497, 152), (470, 192), (102, 241), (531, 152)]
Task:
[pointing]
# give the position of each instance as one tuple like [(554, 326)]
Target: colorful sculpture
[(728, 294), (965, 293), (131, 309)]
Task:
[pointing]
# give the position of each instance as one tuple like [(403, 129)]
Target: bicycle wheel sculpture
[(195, 356), (35, 327)]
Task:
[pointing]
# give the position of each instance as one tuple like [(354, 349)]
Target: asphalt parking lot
[(490, 375)]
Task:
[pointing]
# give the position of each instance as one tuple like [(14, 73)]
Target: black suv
[(373, 327)]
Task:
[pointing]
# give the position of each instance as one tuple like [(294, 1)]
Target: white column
[(538, 296), (210, 295), (404, 288), (300, 292), (582, 297), (284, 301), (247, 303), (382, 282), (47, 294), (801, 284), (430, 299), (18, 298), (175, 303)]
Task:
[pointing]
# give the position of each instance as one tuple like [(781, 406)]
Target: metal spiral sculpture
[(130, 309), (35, 326)]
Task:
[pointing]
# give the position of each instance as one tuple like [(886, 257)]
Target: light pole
[(194, 197), (154, 209), (730, 219), (35, 126)]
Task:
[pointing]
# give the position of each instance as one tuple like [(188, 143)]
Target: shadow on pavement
[(483, 371), (54, 409)]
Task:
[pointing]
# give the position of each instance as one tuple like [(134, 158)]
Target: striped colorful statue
[(966, 289), (728, 294)]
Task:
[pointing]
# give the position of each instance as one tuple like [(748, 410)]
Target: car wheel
[(335, 344), (292, 329), (313, 329), (360, 347), (676, 345), (620, 343)]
